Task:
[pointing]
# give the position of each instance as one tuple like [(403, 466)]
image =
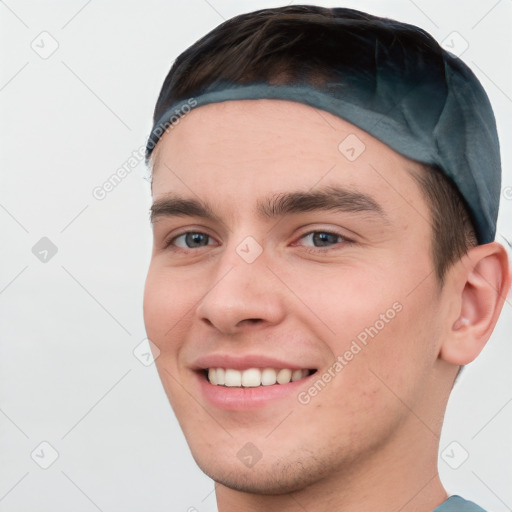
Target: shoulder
[(458, 504)]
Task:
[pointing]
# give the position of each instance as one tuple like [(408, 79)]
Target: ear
[(480, 282)]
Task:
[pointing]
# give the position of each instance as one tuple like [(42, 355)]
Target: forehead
[(251, 147), (303, 129)]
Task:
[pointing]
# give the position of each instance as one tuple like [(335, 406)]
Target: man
[(324, 259)]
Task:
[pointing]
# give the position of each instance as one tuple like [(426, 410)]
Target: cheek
[(374, 320), (155, 306), (170, 299), (399, 346), (163, 313), (348, 300), (165, 307)]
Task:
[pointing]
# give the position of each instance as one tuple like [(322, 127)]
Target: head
[(287, 237)]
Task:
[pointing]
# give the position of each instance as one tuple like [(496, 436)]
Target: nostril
[(249, 321), (246, 321)]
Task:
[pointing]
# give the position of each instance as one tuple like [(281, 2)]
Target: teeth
[(284, 376), (251, 378), (233, 378), (268, 377), (296, 375), (254, 377), (212, 375)]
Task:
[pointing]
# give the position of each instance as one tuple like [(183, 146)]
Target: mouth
[(254, 377), (250, 382)]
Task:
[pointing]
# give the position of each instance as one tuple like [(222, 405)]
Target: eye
[(191, 240), (323, 239)]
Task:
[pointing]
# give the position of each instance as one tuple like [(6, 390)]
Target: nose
[(242, 296)]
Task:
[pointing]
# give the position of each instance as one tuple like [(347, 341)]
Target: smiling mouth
[(254, 377)]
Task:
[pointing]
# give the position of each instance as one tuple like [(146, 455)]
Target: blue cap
[(424, 103)]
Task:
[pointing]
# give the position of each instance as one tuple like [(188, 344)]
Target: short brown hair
[(453, 232), (280, 45)]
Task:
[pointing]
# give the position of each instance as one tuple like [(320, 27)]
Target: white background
[(68, 375)]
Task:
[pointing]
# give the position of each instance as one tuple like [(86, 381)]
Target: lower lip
[(245, 399)]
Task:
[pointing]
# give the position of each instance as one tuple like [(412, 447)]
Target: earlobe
[(482, 279)]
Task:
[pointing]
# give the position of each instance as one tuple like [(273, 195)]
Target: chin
[(271, 478)]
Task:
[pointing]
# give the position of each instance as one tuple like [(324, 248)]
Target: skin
[(369, 439)]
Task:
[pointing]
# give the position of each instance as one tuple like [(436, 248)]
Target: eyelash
[(346, 241)]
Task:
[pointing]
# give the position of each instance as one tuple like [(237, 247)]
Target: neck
[(402, 476)]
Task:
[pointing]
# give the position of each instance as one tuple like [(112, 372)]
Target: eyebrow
[(326, 199), (172, 206)]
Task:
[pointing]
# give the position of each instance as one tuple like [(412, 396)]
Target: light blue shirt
[(458, 504)]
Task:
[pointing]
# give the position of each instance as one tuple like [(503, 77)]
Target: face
[(290, 244)]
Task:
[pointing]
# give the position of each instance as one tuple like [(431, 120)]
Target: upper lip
[(244, 362)]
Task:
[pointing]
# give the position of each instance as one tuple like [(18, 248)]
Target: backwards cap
[(388, 78)]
